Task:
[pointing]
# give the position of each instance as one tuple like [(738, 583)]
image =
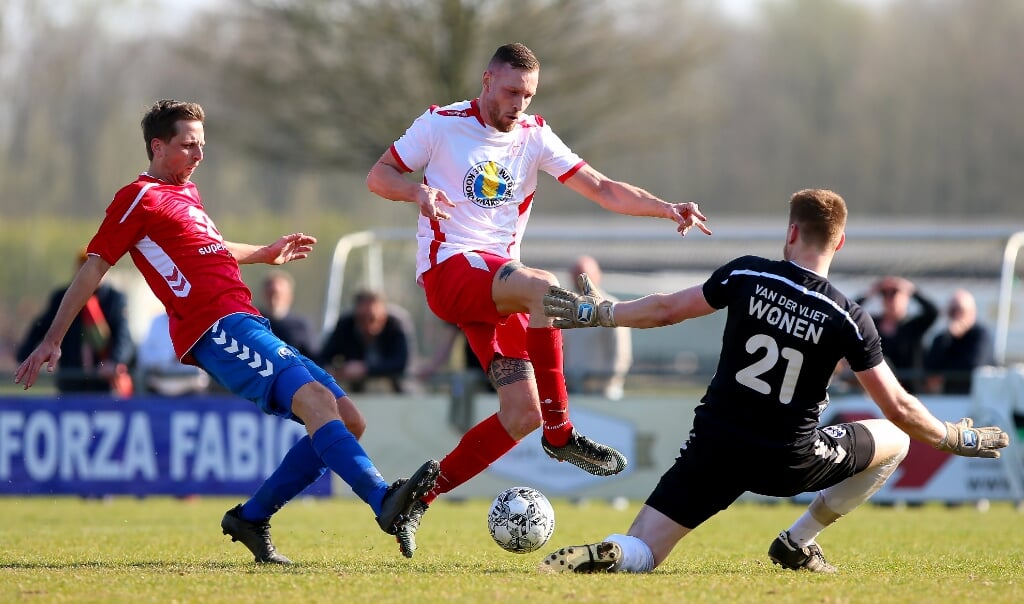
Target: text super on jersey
[(787, 329)]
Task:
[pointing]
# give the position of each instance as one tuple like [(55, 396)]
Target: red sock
[(545, 347), (480, 447)]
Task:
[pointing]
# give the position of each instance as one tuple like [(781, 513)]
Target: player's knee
[(522, 426), (314, 404), (902, 446), (519, 420), (891, 443), (539, 282), (545, 280), (355, 424)]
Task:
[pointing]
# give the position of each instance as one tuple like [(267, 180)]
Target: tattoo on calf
[(506, 371)]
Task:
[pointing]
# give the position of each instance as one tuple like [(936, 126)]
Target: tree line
[(908, 108)]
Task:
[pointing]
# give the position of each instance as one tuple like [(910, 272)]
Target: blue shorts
[(244, 356)]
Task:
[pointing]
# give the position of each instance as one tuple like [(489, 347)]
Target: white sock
[(833, 503), (805, 530), (637, 557)]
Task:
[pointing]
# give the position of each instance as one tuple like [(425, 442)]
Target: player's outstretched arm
[(295, 246), (910, 415), (570, 309), (630, 200), (78, 293)]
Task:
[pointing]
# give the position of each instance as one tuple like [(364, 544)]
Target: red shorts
[(459, 292)]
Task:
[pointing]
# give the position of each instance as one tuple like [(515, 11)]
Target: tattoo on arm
[(508, 268), (506, 371)]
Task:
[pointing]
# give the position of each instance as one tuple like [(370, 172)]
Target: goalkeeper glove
[(962, 438), (570, 309)]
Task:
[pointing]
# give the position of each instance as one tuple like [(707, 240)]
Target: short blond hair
[(820, 214)]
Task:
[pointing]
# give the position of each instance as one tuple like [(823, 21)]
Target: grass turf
[(170, 550)]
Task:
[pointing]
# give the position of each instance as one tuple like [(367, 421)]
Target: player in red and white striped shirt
[(480, 161)]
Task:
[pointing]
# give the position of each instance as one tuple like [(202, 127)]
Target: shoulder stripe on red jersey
[(136, 201)]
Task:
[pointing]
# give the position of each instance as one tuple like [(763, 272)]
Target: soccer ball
[(521, 519)]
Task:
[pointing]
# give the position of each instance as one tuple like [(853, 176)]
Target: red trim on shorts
[(435, 245), (459, 293), (439, 236)]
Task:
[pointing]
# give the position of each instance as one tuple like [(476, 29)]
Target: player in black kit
[(756, 428)]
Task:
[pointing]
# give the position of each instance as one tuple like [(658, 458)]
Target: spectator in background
[(902, 333), (371, 341), (596, 360), (293, 328), (158, 366), (97, 349), (441, 360), (962, 346)]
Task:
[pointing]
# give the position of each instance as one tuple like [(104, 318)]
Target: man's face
[(961, 309), (278, 294), (178, 158), (371, 317), (895, 301), (506, 94)]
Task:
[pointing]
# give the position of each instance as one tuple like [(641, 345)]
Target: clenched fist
[(570, 309)]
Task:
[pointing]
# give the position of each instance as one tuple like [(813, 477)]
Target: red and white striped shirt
[(490, 175)]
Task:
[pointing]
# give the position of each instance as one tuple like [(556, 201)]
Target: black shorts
[(711, 472)]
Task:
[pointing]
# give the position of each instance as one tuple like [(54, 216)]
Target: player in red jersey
[(480, 161), (159, 219)]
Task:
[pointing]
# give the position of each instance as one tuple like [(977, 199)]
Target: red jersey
[(179, 252)]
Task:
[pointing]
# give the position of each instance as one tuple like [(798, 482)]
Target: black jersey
[(786, 330)]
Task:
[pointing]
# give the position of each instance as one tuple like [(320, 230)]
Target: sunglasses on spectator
[(889, 293)]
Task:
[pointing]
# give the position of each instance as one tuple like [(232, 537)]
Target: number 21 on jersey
[(750, 376)]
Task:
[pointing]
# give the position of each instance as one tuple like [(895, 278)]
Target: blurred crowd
[(374, 345)]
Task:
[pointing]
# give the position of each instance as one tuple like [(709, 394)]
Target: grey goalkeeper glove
[(570, 309), (962, 438)]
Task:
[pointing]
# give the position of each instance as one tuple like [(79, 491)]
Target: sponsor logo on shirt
[(454, 112), (488, 185), (212, 248)]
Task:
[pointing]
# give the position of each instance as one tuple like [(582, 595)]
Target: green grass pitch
[(171, 550)]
